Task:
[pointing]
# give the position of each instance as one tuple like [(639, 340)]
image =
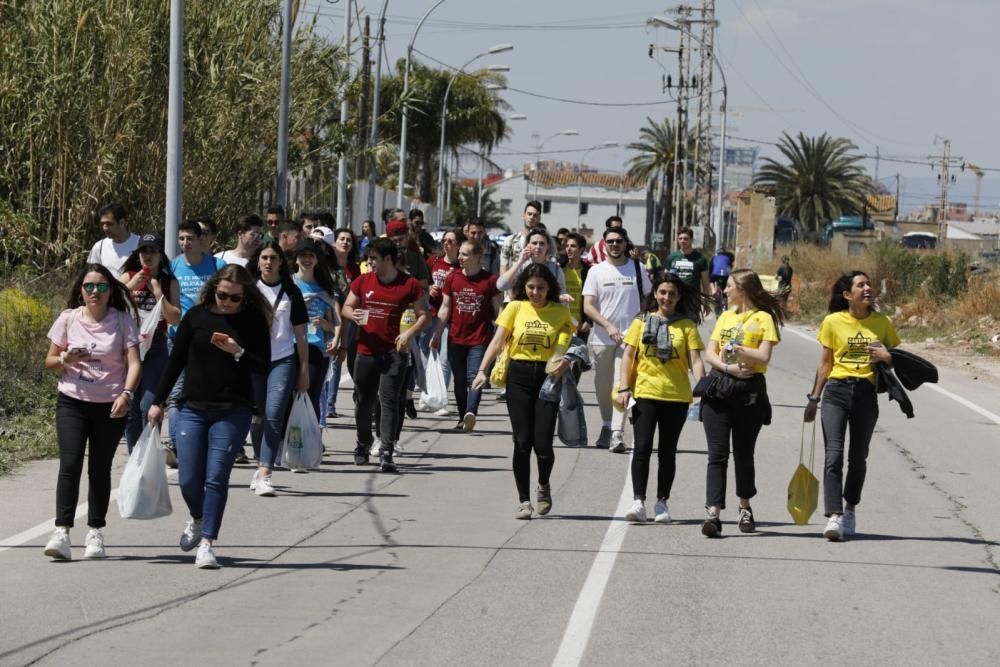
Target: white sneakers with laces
[(58, 547), (617, 442), (263, 487), (849, 522), (661, 512), (205, 559), (94, 543), (834, 528), (637, 514), (191, 535)]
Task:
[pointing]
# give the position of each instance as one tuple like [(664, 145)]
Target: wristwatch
[(127, 393), (812, 399)]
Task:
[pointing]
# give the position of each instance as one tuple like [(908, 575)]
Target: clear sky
[(889, 75)]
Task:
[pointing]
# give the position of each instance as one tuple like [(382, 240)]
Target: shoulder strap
[(638, 281)]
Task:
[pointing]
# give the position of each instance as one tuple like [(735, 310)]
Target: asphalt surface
[(348, 566)]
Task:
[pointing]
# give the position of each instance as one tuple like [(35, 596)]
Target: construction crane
[(978, 172)]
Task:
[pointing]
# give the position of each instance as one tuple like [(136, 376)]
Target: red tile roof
[(589, 178)]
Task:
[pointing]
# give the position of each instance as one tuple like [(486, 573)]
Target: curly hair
[(534, 270), (236, 274)]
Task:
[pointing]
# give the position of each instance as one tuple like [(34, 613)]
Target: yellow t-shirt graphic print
[(664, 379), (849, 339), (748, 329), (536, 332)]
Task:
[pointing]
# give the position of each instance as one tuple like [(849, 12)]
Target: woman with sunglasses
[(440, 267), (220, 344), (323, 331), (344, 269), (289, 369), (739, 351), (94, 348), (146, 273)]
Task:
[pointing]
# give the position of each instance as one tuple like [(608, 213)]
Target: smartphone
[(219, 338), (80, 350)]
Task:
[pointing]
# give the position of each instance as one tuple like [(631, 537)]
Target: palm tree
[(475, 115), (463, 206), (822, 180)]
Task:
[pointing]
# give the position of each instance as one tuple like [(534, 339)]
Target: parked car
[(846, 223), (919, 240)]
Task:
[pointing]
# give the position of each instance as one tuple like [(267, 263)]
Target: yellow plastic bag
[(803, 490), (498, 377)]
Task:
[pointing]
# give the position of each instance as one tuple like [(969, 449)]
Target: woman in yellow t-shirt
[(537, 329), (854, 336), (739, 352), (666, 343)]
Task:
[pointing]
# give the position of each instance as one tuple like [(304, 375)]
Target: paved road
[(351, 567)]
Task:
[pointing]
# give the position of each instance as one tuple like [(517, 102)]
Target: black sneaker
[(360, 455), (171, 455), (460, 426), (386, 463), (411, 409), (241, 456), (746, 521), (712, 527)]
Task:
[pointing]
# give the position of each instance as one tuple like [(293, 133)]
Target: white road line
[(992, 416), (48, 525), (581, 621)]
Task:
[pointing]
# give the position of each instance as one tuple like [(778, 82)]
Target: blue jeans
[(272, 393), (332, 386), (152, 370), (207, 443), (464, 361), (318, 365)]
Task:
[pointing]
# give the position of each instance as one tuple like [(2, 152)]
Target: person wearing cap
[(146, 274), (249, 232), (117, 244)]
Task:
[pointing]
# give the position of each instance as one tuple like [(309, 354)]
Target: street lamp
[(579, 174), (406, 89), (482, 166), (538, 152), (499, 48), (682, 26)]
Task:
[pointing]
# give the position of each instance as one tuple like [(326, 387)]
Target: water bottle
[(694, 412)]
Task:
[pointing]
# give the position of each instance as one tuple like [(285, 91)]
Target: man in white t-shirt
[(117, 244), (612, 297), (598, 251), (249, 232)]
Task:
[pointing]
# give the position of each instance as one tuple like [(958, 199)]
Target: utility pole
[(175, 128), (703, 138), (361, 165), (945, 180), (877, 156), (373, 138), (342, 162), (281, 186), (895, 213)]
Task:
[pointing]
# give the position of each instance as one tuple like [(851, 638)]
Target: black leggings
[(533, 424), (381, 378), (668, 417), (725, 420), (78, 422)]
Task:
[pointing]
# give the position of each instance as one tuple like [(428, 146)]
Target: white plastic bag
[(143, 492), (303, 445), (148, 328), (436, 396)]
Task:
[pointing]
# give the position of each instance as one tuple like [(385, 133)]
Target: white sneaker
[(637, 514), (191, 535), (834, 528), (443, 412), (58, 547), (661, 511), (264, 487), (376, 448), (95, 545), (617, 442), (524, 511), (849, 522), (205, 559), (468, 422)]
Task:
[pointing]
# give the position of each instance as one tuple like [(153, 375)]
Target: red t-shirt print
[(440, 268), (471, 307), (385, 303)]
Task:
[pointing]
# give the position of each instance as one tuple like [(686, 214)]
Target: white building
[(578, 202)]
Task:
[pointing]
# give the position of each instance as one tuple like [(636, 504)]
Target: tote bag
[(803, 490)]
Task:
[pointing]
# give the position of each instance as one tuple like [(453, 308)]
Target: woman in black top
[(221, 342)]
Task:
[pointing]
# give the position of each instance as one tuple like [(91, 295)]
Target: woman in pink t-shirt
[(95, 350)]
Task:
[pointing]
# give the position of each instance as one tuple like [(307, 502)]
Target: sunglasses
[(226, 296), (100, 287), (613, 241)]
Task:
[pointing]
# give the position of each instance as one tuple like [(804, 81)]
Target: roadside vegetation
[(928, 294)]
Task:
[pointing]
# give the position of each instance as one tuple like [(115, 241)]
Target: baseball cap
[(308, 245), (150, 241), (324, 234), (395, 227)]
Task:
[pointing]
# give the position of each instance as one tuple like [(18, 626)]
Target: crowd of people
[(221, 340)]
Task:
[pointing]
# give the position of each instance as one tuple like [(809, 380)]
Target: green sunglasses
[(100, 287)]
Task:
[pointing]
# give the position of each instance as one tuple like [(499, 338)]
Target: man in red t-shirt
[(376, 303), (470, 301)]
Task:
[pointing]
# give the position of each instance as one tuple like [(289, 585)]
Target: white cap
[(324, 234)]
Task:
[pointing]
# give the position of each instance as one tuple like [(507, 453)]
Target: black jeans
[(668, 417), (379, 378), (846, 405), (77, 423), (533, 424), (732, 421)]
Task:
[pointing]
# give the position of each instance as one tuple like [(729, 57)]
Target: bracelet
[(812, 399), (127, 393), (622, 391), (237, 355), (62, 357)]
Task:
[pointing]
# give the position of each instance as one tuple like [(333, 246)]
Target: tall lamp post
[(499, 48), (682, 26), (406, 89), (579, 174), (538, 153)]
